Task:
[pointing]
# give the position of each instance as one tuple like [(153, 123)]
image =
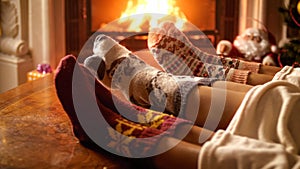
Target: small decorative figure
[(252, 45)]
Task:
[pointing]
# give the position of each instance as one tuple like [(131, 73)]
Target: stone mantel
[(13, 40), (33, 33), (15, 60)]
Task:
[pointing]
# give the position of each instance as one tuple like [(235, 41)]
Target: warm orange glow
[(148, 9)]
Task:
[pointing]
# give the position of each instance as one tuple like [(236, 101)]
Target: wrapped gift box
[(41, 71), (33, 75)]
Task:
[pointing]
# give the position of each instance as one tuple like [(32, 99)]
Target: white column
[(243, 15), (15, 61), (46, 31), (252, 14), (259, 14), (34, 25), (39, 34)]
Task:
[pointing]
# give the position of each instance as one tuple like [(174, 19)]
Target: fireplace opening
[(140, 15), (217, 19), (200, 13)]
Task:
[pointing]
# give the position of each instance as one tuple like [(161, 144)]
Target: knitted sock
[(146, 124), (107, 55), (238, 76), (174, 52), (142, 84)]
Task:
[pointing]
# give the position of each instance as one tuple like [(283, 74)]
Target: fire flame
[(147, 10)]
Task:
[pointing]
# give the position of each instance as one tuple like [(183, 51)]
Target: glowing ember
[(139, 15)]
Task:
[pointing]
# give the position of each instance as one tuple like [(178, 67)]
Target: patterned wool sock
[(142, 84), (107, 55), (177, 55), (74, 80)]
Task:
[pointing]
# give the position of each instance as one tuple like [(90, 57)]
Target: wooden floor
[(36, 133)]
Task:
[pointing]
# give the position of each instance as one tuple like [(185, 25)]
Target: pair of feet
[(175, 54), (185, 65), (83, 96), (101, 119), (117, 67)]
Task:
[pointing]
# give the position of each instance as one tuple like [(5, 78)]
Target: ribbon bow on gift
[(44, 68)]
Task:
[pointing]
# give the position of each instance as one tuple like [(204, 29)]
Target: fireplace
[(54, 28), (206, 15), (134, 20), (200, 13)]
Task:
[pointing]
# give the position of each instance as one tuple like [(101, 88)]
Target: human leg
[(228, 85), (140, 89), (232, 86), (143, 84), (196, 135), (181, 155), (174, 52), (258, 79), (269, 70), (148, 58), (216, 107), (141, 123)]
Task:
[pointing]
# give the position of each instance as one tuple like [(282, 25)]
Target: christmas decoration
[(291, 14), (289, 53), (253, 44), (40, 71)]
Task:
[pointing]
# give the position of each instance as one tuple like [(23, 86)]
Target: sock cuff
[(239, 76), (181, 95), (253, 67)]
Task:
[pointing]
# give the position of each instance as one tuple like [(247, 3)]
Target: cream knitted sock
[(142, 84), (177, 55)]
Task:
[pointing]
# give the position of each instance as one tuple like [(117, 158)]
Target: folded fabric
[(270, 113), (264, 133), (290, 74), (226, 150)]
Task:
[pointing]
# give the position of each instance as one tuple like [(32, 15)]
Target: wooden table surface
[(36, 133)]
